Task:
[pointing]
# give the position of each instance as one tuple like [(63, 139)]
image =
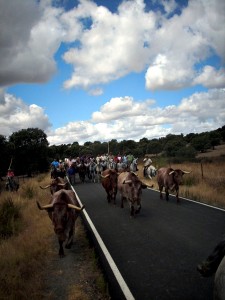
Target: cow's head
[(55, 185), (178, 176), (135, 185), (60, 214)]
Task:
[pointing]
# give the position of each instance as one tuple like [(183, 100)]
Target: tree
[(173, 145), (154, 147), (221, 131), (201, 142), (5, 154), (214, 138), (31, 149)]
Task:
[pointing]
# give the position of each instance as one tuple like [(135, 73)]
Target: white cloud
[(131, 39), (183, 42), (103, 46), (121, 119), (124, 118), (113, 46), (110, 45), (30, 36), (118, 108), (211, 78), (16, 115), (96, 92)]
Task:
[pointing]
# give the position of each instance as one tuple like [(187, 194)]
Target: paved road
[(157, 252)]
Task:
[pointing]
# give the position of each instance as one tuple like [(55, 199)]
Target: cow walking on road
[(170, 179), (130, 188), (63, 210), (109, 183)]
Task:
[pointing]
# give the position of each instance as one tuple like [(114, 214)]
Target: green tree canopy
[(31, 149)]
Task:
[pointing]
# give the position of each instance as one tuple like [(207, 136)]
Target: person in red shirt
[(10, 174)]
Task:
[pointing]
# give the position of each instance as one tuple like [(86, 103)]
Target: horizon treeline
[(27, 151)]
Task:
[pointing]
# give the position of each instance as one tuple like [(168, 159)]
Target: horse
[(100, 167), (121, 166), (92, 171), (82, 171), (12, 185), (133, 165), (150, 172), (112, 165)]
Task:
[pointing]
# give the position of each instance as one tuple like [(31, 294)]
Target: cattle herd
[(63, 207)]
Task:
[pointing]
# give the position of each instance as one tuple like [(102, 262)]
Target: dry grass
[(25, 257), (22, 255), (217, 152)]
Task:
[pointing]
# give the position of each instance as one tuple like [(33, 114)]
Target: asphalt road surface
[(157, 251)]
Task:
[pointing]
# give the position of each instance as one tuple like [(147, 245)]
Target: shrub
[(28, 191), (9, 218)]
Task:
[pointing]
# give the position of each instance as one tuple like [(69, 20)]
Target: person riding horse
[(11, 184), (147, 162)]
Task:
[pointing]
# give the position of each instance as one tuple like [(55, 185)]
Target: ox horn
[(45, 206), (150, 186), (43, 188), (186, 172), (171, 172), (134, 173), (61, 184), (127, 181), (76, 207), (105, 176)]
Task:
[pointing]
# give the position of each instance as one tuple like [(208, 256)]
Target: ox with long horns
[(63, 211), (130, 188), (55, 185), (170, 179), (109, 183)]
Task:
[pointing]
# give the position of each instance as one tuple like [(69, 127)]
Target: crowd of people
[(72, 165), (87, 159)]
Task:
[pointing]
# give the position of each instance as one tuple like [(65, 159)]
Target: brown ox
[(130, 188), (55, 185), (63, 211), (170, 179), (109, 182)]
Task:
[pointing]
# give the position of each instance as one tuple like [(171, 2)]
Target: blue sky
[(101, 70)]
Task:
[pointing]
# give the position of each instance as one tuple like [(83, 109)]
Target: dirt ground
[(75, 276)]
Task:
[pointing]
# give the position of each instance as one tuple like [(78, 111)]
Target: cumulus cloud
[(133, 39), (103, 46), (124, 118), (16, 115), (121, 107), (170, 48), (30, 36), (183, 42), (113, 45), (121, 118), (211, 78)]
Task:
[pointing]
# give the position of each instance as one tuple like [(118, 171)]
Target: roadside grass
[(24, 254), (22, 258)]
